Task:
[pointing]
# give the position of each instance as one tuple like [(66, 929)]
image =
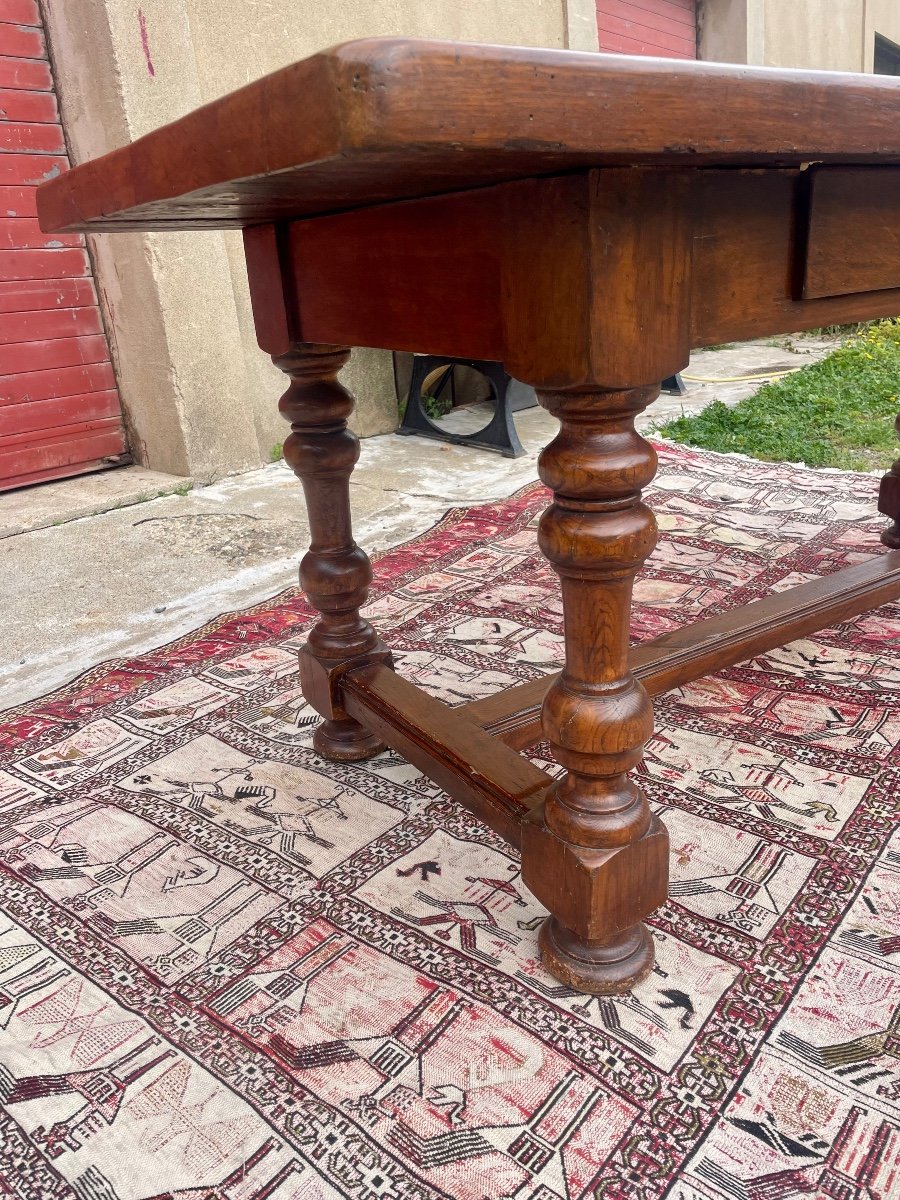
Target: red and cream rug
[(230, 971)]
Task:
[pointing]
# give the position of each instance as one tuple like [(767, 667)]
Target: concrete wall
[(722, 30), (827, 34), (830, 35), (881, 16), (199, 396)]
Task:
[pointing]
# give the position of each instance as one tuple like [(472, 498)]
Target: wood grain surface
[(578, 217), (383, 119), (853, 242), (714, 643)]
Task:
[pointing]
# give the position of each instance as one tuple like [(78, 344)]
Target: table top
[(388, 119)]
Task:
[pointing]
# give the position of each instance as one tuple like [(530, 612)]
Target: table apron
[(451, 274)]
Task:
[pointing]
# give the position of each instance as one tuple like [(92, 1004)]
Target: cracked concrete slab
[(92, 587), (49, 504), (136, 577)]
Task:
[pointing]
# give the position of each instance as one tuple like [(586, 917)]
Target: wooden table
[(599, 216)]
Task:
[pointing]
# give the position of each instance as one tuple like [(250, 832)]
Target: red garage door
[(59, 408), (660, 28)]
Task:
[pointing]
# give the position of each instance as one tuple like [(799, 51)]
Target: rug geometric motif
[(231, 971)]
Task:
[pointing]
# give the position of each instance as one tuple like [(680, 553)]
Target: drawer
[(853, 239)]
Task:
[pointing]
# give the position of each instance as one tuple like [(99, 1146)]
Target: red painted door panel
[(28, 106), (658, 28), (61, 413), (59, 406), (24, 233), (24, 73), (52, 323), (31, 137), (66, 452), (33, 294), (20, 12), (24, 357), (21, 41), (42, 264), (48, 385), (18, 201)]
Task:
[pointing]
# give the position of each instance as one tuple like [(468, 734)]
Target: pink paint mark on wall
[(145, 42)]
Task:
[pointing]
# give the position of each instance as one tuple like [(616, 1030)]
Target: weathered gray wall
[(881, 16), (200, 397), (826, 34), (722, 29), (830, 35)]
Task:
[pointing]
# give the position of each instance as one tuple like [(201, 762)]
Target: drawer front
[(853, 241)]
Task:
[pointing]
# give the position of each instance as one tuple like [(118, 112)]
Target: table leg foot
[(606, 968), (345, 741), (594, 939)]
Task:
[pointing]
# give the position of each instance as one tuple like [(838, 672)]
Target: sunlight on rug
[(230, 971)]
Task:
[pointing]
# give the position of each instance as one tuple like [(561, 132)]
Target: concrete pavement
[(113, 564)]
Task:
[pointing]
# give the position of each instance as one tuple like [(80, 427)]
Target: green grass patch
[(839, 412)]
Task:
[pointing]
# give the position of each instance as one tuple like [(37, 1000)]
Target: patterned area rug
[(229, 970)]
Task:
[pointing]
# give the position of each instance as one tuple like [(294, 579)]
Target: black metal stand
[(500, 432), (673, 386)]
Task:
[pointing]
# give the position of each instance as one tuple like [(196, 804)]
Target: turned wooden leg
[(335, 573), (595, 856), (889, 502)]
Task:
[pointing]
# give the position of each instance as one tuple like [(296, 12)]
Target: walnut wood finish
[(596, 715), (746, 255), (598, 215), (889, 501), (496, 784), (677, 658), (838, 259), (378, 120), (590, 263), (750, 257), (335, 573)]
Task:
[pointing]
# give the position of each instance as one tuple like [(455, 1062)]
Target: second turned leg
[(594, 855), (889, 502), (335, 573)]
